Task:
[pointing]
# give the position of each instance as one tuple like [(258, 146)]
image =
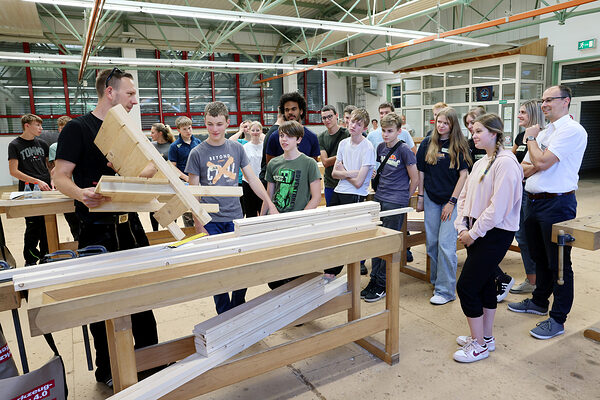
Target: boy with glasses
[(328, 143)]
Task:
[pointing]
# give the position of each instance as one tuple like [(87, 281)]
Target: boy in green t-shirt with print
[(294, 179)]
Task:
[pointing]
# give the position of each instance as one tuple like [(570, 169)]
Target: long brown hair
[(458, 143), (165, 131), (494, 124)]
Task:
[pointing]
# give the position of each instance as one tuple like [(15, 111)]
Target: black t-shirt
[(476, 154), (76, 144), (263, 161), (521, 147), (31, 156), (440, 179)]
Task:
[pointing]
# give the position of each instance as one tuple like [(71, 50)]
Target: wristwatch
[(530, 138)]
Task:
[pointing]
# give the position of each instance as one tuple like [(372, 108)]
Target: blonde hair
[(165, 131), (360, 114), (182, 122), (252, 123), (391, 119), (62, 121), (534, 111), (30, 118), (494, 124), (458, 143)]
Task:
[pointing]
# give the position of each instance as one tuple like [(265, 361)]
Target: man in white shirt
[(551, 165)]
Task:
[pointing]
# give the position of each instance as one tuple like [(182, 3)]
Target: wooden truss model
[(130, 153)]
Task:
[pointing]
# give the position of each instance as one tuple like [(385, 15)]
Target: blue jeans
[(392, 222), (328, 193), (528, 262), (538, 227), (441, 248), (222, 301)]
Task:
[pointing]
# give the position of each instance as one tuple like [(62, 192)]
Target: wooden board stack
[(256, 233), (230, 333)]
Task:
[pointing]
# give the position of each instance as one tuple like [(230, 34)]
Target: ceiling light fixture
[(253, 18)]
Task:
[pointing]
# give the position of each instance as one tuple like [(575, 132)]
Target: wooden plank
[(164, 236), (392, 303), (110, 298), (120, 349), (9, 299), (112, 185), (168, 257), (170, 211), (151, 206), (376, 348), (353, 272), (177, 349), (585, 230), (279, 356), (415, 272), (176, 375), (51, 232), (42, 208), (592, 333)]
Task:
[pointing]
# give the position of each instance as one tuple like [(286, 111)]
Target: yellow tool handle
[(184, 241)]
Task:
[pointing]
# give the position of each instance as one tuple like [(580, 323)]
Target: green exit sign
[(586, 44)]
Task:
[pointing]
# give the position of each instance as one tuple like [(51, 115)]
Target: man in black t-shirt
[(28, 162), (79, 166)]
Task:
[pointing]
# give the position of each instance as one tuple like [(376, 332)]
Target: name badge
[(445, 150), (522, 148)]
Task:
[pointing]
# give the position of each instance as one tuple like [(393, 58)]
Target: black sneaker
[(409, 256), (377, 293), (363, 269), (367, 289), (503, 285)]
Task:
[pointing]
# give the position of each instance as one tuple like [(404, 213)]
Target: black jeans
[(118, 237), (251, 203), (476, 286), (35, 233), (338, 199), (541, 214)]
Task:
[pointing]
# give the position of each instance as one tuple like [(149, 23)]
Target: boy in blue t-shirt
[(397, 182)]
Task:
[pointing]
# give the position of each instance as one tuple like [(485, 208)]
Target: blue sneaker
[(527, 306), (547, 329)]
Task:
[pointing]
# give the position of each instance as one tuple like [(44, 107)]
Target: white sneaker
[(463, 340), (471, 352), (439, 300)]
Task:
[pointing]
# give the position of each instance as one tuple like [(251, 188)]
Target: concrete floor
[(521, 367)]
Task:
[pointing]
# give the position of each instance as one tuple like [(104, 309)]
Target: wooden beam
[(279, 356), (177, 349), (120, 348), (585, 230), (110, 298), (9, 299)]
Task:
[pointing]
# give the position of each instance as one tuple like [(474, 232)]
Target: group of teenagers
[(279, 173)]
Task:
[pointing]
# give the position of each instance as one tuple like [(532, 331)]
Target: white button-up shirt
[(566, 139)]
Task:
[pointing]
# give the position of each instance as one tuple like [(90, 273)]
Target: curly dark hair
[(295, 97)]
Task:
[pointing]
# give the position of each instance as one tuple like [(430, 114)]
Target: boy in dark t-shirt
[(397, 182), (28, 162)]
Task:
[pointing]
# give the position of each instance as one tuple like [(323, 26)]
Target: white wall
[(564, 38), (5, 178)]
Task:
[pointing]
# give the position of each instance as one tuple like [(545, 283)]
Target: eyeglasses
[(549, 99), (114, 70), (326, 117)]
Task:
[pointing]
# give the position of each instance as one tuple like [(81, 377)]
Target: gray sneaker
[(547, 329), (527, 306), (523, 287)]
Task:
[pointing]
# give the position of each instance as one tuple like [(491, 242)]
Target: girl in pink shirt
[(487, 217)]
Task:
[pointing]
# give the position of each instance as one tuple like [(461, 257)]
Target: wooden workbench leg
[(404, 240), (122, 355), (392, 303), (354, 286), (51, 232)]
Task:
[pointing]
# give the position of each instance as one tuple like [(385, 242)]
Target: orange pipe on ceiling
[(89, 37), (453, 32)]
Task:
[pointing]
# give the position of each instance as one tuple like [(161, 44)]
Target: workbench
[(114, 298)]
